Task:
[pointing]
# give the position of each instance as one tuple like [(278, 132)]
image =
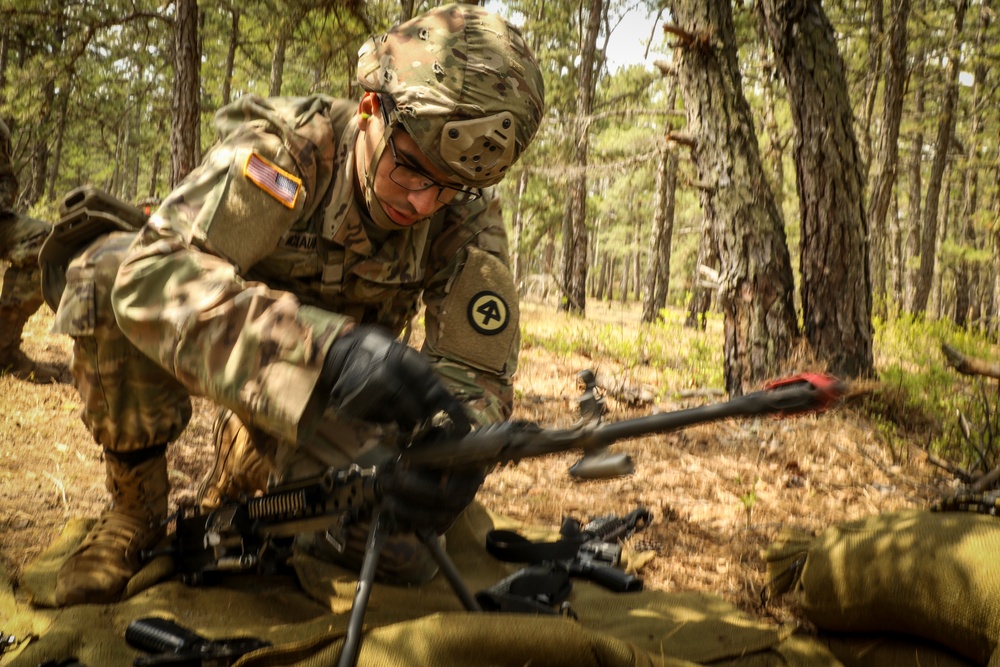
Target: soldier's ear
[(366, 109)]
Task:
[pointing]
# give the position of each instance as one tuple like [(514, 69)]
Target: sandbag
[(891, 651), (304, 618), (931, 575)]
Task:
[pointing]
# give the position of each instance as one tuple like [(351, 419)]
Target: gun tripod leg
[(377, 535), (429, 538)]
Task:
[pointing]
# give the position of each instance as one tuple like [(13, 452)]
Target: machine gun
[(254, 534)]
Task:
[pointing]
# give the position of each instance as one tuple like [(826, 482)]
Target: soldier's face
[(407, 185)]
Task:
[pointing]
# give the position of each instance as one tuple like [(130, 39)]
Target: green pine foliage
[(87, 90)]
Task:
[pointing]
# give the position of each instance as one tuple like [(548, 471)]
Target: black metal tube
[(448, 569), (513, 442), (770, 401), (377, 535)]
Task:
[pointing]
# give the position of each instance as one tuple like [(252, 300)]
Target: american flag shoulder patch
[(272, 179)]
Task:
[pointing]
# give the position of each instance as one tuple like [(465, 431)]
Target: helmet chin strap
[(375, 209)]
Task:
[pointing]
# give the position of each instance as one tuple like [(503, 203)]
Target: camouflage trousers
[(130, 403), (21, 238)]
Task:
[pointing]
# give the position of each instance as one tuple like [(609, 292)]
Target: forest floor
[(719, 493)]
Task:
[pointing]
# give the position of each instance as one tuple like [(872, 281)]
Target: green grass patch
[(918, 399), (922, 397), (678, 357)]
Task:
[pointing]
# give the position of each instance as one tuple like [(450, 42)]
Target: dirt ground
[(719, 493)]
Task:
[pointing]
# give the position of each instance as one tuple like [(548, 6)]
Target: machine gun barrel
[(513, 441)]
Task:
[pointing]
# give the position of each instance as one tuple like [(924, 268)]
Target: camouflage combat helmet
[(465, 87)]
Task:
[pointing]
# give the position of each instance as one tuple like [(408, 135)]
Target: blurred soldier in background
[(21, 238)]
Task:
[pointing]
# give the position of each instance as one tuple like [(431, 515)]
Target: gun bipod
[(379, 531)]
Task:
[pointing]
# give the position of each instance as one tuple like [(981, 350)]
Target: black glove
[(371, 376), (425, 498)]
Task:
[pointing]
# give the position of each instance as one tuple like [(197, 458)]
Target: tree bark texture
[(278, 61), (836, 278), (234, 36), (660, 239), (185, 133), (911, 245), (4, 54), (757, 288), (942, 145), (774, 150), (876, 35), (62, 101), (518, 225), (701, 296), (575, 252), (885, 163), (966, 271)]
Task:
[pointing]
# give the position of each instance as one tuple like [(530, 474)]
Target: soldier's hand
[(372, 376), (425, 498)]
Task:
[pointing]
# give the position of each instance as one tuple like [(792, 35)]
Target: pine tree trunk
[(4, 56), (575, 273), (611, 279), (886, 160), (701, 296), (154, 174), (185, 132), (773, 152), (406, 10), (626, 277), (234, 36), (757, 290), (517, 260), (278, 61), (63, 101), (942, 145), (602, 278), (636, 264), (966, 270), (911, 246), (876, 34), (836, 278), (895, 290), (660, 240), (941, 281)]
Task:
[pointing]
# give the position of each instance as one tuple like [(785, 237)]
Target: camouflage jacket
[(250, 268), (8, 180)]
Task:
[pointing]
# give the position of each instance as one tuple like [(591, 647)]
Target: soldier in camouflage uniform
[(275, 279), (21, 238)]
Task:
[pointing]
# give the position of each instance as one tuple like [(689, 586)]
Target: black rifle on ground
[(253, 535), (592, 551), (173, 645)]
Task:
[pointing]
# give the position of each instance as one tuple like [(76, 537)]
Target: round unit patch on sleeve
[(479, 318), (488, 313)]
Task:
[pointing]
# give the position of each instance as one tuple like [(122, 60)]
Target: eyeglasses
[(413, 179)]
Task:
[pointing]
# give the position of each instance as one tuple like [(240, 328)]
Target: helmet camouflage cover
[(465, 86)]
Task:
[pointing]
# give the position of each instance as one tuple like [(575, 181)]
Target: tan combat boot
[(240, 468), (12, 359), (111, 552)]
